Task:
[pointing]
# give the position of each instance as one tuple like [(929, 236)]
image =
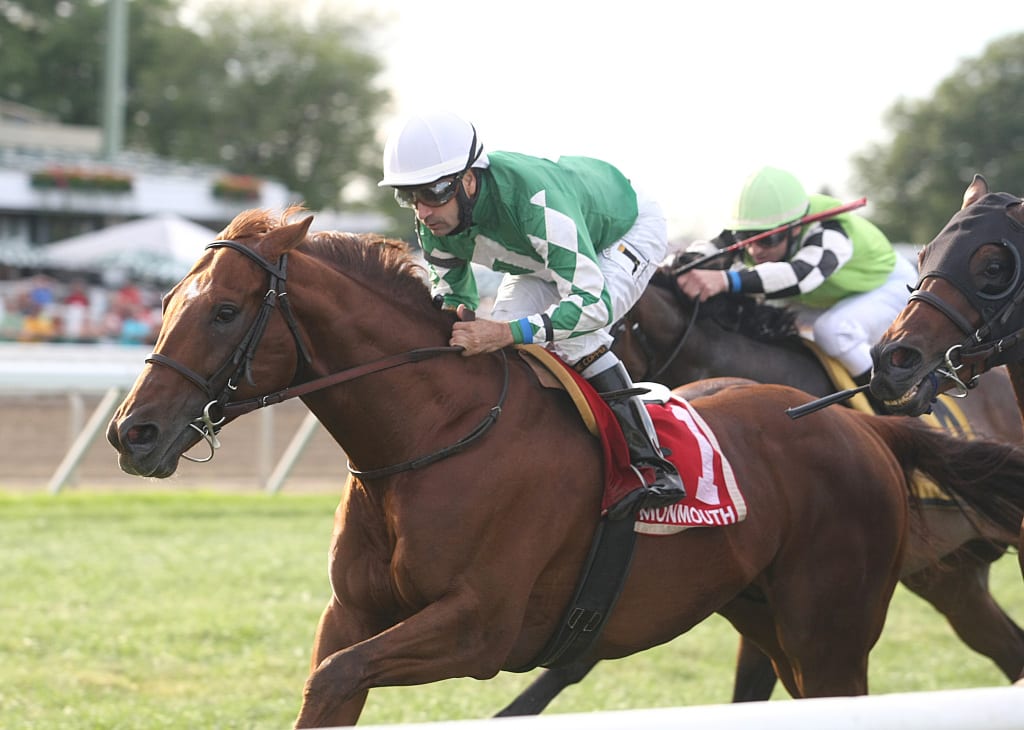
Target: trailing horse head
[(964, 317)]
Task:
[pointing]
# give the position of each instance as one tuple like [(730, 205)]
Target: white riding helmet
[(427, 147)]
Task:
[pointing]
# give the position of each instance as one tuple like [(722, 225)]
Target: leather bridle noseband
[(239, 364)]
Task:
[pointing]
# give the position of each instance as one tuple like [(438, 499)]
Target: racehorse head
[(964, 316), (236, 329)]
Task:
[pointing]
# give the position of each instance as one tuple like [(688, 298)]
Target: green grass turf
[(197, 610)]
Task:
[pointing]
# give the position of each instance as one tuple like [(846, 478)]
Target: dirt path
[(36, 432)]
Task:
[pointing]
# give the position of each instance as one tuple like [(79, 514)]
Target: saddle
[(713, 496)]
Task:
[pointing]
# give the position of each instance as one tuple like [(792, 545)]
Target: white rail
[(999, 708), (110, 371)]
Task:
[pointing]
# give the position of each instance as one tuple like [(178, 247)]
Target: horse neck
[(712, 351), (349, 323)]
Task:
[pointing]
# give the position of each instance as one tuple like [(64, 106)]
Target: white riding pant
[(626, 275), (849, 328)]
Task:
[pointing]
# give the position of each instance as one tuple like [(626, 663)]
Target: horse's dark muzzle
[(136, 445)]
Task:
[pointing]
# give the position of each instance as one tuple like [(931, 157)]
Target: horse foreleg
[(959, 590), (332, 636), (755, 675), (446, 639), (537, 696)]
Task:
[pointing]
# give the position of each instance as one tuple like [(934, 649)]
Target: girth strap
[(598, 590)]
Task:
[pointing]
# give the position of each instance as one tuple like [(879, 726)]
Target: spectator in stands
[(75, 325), (41, 291), (37, 324), (10, 319)]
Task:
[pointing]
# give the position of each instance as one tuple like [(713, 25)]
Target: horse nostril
[(904, 357), (137, 436)]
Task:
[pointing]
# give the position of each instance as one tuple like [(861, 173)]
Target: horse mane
[(387, 264), (739, 313)]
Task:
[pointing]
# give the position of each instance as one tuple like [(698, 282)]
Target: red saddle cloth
[(712, 495)]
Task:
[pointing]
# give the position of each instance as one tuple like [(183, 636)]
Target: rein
[(239, 363), (479, 430), (645, 345)]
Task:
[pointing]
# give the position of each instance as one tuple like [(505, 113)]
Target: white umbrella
[(162, 247), (22, 256)]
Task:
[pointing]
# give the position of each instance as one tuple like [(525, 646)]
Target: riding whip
[(764, 234), (816, 405)]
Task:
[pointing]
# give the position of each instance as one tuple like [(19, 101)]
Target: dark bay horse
[(668, 338), (965, 317), (458, 543)]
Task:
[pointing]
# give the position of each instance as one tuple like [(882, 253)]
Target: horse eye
[(226, 313), (997, 275)]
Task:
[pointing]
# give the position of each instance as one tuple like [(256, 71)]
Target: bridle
[(984, 347), (219, 409), (239, 363)]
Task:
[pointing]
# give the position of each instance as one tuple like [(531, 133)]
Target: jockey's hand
[(477, 336), (701, 284)]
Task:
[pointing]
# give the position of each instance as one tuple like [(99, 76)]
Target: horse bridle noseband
[(239, 364)]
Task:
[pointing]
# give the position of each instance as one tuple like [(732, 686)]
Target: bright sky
[(687, 98)]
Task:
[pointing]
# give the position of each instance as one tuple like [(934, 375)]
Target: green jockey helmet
[(427, 147), (770, 198)]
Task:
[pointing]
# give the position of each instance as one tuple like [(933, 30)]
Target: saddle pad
[(713, 496)]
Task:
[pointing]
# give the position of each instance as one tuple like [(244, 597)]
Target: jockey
[(841, 275), (575, 242)]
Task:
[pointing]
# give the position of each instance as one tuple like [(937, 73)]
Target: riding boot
[(876, 405), (617, 389)]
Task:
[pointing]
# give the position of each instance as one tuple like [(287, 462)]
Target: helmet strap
[(793, 236), (466, 204)]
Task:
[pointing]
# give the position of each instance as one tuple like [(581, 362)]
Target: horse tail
[(984, 475)]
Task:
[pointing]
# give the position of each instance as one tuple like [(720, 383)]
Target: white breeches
[(626, 275), (849, 328)]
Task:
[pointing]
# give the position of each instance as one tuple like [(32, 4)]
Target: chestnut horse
[(459, 542), (965, 317), (669, 338)]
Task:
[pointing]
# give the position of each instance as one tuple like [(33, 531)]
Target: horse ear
[(977, 188), (282, 240)]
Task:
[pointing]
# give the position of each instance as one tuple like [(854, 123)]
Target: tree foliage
[(252, 87), (972, 124), (53, 52)]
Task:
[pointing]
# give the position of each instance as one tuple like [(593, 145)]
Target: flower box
[(79, 179), (237, 187)]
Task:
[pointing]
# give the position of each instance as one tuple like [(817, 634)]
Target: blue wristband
[(526, 329), (734, 280)]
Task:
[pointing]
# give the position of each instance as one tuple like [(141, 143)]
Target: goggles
[(433, 194), (767, 242)]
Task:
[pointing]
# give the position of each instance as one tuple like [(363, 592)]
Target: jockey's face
[(443, 219), (772, 248)]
